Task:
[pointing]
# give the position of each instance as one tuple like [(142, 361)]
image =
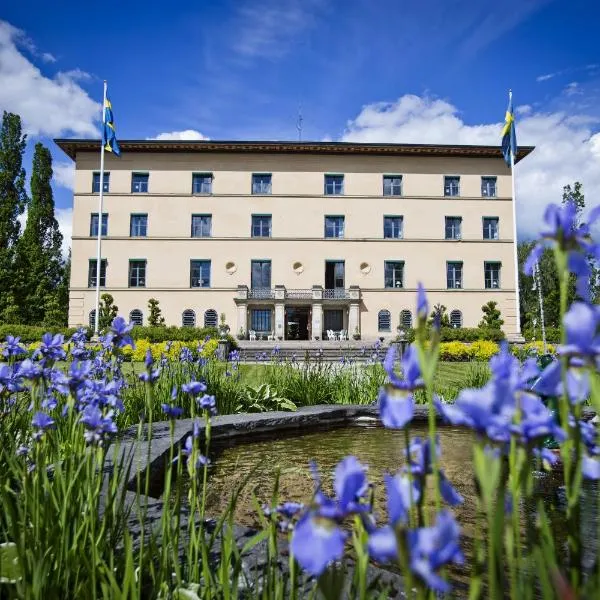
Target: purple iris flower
[(10, 380), (316, 542), (29, 370), (12, 347), (172, 412), (78, 373), (194, 388), (187, 450), (42, 421), (431, 548), (101, 393), (590, 467), (564, 231), (97, 423), (290, 509), (581, 324), (52, 347), (186, 355), (150, 375), (208, 403), (422, 303), (396, 401), (536, 421), (119, 335), (490, 410), (550, 382)]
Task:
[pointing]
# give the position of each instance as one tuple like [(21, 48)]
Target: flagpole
[(100, 207), (538, 282), (514, 216)]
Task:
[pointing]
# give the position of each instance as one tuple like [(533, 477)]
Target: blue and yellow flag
[(509, 134), (109, 136)]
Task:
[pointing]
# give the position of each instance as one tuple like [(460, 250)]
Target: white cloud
[(269, 27), (567, 147), (48, 58), (546, 77), (48, 106), (186, 134), (573, 89), (64, 174)]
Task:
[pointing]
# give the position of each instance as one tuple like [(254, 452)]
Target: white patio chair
[(343, 335), (252, 335), (271, 336), (330, 335)]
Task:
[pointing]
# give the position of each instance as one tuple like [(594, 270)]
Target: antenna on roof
[(299, 123)]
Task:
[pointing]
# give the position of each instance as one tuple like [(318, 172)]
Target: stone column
[(242, 309), (317, 311), (279, 319), (354, 311)]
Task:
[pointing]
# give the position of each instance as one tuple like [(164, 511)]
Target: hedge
[(552, 334), (463, 334), (33, 333)]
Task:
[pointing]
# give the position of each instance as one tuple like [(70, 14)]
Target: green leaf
[(10, 569), (254, 540)]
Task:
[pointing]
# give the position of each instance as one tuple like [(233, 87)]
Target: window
[(94, 225), (210, 318), (456, 319), (261, 183), (334, 227), (393, 274), (137, 273), (202, 183), (200, 273), (454, 275), (392, 185), (392, 227), (452, 186), (136, 317), (96, 183), (334, 185), (260, 277), (488, 187), (384, 320), (492, 275), (406, 319), (490, 228), (453, 227), (188, 318), (92, 272), (92, 319), (139, 183), (261, 225), (138, 226), (260, 319), (201, 226)]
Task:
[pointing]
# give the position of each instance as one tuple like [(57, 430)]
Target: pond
[(383, 450)]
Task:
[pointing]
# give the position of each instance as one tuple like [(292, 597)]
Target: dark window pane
[(334, 185), (454, 275), (137, 273), (260, 320), (392, 227), (451, 186), (490, 228), (200, 273), (261, 183), (393, 274), (261, 225), (139, 183), (202, 183), (334, 227), (188, 318), (96, 182), (492, 275), (488, 187), (261, 274), (453, 227), (392, 185), (138, 226), (201, 225), (93, 270), (94, 225), (210, 318), (384, 320)]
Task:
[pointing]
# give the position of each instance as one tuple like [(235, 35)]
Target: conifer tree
[(39, 262), (13, 200)]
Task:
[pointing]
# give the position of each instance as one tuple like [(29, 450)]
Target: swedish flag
[(109, 136), (509, 134)]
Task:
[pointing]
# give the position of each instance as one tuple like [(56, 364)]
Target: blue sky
[(365, 70)]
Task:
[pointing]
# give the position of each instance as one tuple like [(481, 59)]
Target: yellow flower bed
[(484, 349), (481, 350), (171, 350), (538, 346)]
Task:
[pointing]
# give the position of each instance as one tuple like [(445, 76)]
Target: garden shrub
[(462, 334), (552, 334), (455, 351), (483, 350)]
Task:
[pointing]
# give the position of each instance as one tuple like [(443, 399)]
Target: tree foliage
[(108, 311), (440, 313), (155, 318), (491, 316)]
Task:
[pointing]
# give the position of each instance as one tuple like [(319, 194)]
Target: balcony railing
[(261, 293), (337, 293), (299, 294)]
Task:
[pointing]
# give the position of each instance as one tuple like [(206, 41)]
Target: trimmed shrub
[(455, 351), (34, 333), (483, 350), (552, 334), (463, 334)]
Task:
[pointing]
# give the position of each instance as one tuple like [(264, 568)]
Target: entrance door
[(296, 322), (334, 275), (332, 319)]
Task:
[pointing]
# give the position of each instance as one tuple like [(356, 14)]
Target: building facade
[(294, 240)]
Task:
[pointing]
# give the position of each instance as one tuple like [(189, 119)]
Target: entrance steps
[(330, 351)]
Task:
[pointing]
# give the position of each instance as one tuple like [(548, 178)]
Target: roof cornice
[(72, 146)]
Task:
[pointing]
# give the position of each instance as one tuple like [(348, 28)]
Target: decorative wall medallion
[(231, 267), (298, 268), (365, 268)]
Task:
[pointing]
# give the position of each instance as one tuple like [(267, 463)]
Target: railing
[(299, 294), (261, 293), (337, 293)]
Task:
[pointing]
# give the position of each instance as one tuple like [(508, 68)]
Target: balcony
[(261, 293), (336, 294), (299, 294)]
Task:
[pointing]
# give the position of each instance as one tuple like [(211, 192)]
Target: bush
[(462, 334), (34, 333), (552, 334), (455, 351), (483, 350)]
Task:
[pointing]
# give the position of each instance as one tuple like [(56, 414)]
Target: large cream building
[(294, 239)]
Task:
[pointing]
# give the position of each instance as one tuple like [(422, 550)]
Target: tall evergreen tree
[(39, 261), (13, 199)]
